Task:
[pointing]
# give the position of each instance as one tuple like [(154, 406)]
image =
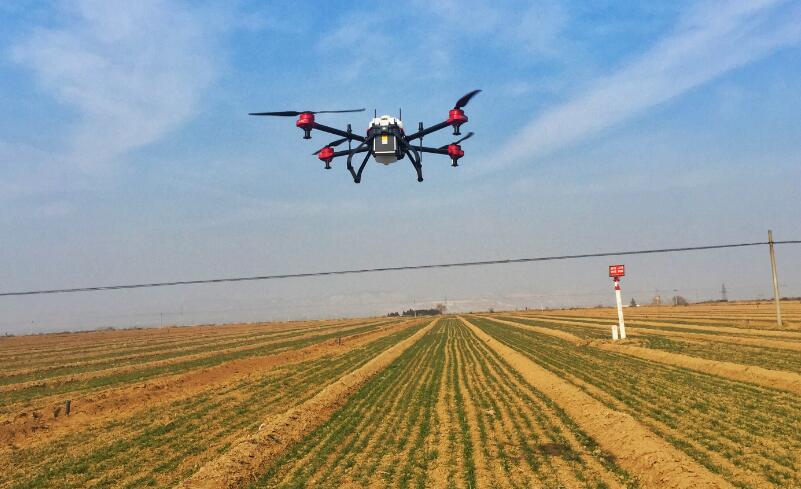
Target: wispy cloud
[(710, 40), (534, 27), (131, 71)]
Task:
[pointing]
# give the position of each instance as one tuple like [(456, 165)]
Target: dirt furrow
[(442, 472), (95, 408), (484, 474), (111, 371), (787, 381), (788, 344), (650, 458), (174, 349), (249, 456), (561, 460)]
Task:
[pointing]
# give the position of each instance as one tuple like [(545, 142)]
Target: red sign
[(617, 270)]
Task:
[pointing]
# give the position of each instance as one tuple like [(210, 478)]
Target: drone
[(386, 140)]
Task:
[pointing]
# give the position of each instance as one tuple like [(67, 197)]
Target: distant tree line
[(440, 309)]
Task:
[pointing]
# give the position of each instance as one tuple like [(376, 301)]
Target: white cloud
[(132, 72), (711, 40), (532, 27)]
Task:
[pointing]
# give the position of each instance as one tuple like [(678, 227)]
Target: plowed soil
[(698, 396)]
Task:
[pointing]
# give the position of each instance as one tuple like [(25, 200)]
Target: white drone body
[(385, 145)]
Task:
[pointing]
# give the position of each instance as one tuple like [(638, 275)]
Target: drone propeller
[(466, 98), (292, 113), (468, 136), (333, 144)]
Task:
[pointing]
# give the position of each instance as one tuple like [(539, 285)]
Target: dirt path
[(248, 457), (439, 473), (650, 458), (99, 407), (787, 381)]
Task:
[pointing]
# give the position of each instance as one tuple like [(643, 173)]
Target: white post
[(617, 295), (621, 325)]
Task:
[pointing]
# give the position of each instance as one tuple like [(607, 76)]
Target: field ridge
[(648, 457), (242, 463), (777, 379)]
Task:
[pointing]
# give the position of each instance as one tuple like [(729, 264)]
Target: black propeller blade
[(463, 101), (293, 113), (333, 144), (468, 136)]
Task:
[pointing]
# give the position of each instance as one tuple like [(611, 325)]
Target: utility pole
[(776, 294)]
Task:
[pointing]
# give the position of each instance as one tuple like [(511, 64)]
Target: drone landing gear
[(416, 163), (357, 176)]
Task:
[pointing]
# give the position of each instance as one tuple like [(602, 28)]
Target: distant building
[(657, 300)]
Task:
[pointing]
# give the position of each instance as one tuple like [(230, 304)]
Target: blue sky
[(126, 154)]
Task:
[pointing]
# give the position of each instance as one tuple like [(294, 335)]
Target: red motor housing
[(306, 122), (455, 152), (326, 155), (456, 118)]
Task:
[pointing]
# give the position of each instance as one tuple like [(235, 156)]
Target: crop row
[(748, 434), (754, 316), (76, 346), (762, 356), (14, 369), (447, 413), (674, 326), (159, 446), (81, 385), (60, 367)]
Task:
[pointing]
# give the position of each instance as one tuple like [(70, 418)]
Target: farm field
[(698, 396)]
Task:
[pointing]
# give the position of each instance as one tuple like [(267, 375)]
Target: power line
[(389, 269)]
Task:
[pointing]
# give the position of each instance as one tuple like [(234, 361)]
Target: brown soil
[(593, 465), (484, 476), (786, 345), (130, 368), (648, 457), (438, 471), (776, 379), (111, 352), (788, 381), (661, 323), (26, 429), (249, 456)]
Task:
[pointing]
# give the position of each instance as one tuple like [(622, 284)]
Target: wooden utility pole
[(776, 295)]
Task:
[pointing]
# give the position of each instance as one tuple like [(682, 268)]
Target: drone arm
[(428, 130), (426, 149), (338, 132), (344, 152)]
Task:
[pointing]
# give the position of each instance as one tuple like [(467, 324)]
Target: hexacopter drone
[(386, 140)]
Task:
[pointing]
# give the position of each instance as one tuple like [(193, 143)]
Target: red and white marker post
[(617, 271)]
